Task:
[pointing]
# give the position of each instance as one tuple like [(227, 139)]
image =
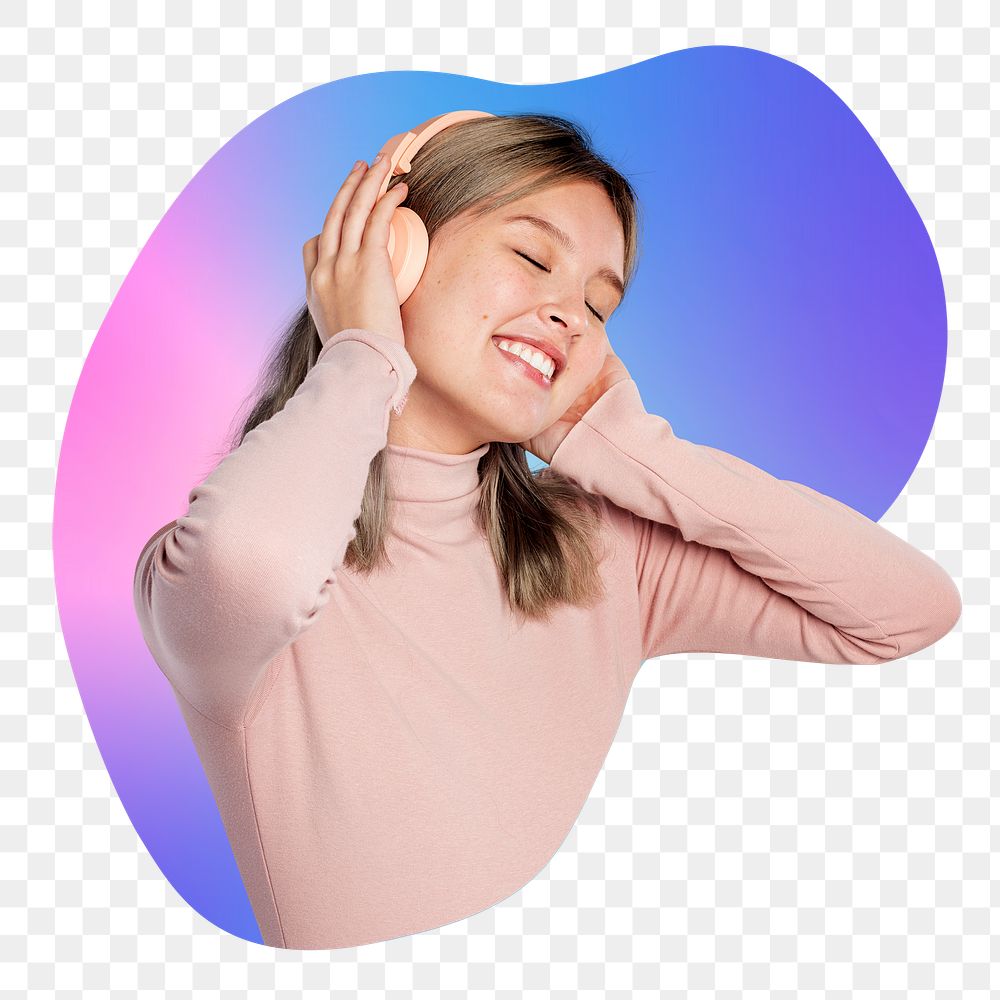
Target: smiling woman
[(397, 743), (479, 288), (486, 189)]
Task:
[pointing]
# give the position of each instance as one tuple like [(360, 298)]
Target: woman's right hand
[(349, 281)]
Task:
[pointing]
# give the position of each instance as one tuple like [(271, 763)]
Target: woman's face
[(477, 288)]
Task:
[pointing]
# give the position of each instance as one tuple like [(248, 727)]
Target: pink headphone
[(407, 235)]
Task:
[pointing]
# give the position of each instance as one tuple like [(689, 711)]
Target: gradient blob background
[(788, 308)]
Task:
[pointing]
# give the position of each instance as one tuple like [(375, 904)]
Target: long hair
[(542, 527)]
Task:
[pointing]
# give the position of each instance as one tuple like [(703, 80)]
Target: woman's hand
[(349, 280), (613, 371)]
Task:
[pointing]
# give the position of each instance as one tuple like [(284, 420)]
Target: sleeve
[(730, 559), (223, 589)]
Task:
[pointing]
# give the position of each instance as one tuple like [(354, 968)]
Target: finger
[(377, 229), (329, 236), (310, 254), (362, 202)]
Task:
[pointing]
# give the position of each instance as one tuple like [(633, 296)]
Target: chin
[(511, 427)]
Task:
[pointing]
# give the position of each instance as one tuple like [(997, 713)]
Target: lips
[(546, 347), (528, 370)]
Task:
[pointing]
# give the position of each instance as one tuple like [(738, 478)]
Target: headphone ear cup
[(407, 250)]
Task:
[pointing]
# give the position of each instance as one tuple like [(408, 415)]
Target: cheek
[(582, 371), (508, 289), (588, 365)]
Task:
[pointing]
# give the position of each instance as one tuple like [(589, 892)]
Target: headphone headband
[(401, 148)]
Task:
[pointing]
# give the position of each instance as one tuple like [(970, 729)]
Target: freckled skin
[(466, 393)]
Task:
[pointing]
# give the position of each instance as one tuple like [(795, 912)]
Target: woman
[(401, 655)]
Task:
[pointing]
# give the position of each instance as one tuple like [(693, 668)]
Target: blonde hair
[(541, 527)]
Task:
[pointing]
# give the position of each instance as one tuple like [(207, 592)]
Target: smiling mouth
[(527, 369)]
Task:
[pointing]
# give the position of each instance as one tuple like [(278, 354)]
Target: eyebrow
[(563, 239)]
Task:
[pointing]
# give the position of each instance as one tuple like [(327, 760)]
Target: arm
[(730, 559), (232, 582)]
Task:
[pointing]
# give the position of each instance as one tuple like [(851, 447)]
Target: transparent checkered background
[(761, 828)]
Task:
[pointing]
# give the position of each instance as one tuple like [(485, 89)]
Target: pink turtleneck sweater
[(393, 753)]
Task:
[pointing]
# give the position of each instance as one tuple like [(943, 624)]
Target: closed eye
[(546, 270)]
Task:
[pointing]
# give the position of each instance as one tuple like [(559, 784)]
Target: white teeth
[(536, 359)]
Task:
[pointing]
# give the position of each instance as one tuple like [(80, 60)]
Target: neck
[(410, 429)]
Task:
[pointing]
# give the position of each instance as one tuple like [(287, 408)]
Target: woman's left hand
[(613, 371)]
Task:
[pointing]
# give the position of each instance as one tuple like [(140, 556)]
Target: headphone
[(407, 234)]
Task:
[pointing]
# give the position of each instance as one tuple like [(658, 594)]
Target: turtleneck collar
[(417, 475)]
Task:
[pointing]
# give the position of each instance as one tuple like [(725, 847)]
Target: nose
[(565, 314)]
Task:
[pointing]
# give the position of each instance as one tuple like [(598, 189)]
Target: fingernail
[(358, 165), (377, 158)]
